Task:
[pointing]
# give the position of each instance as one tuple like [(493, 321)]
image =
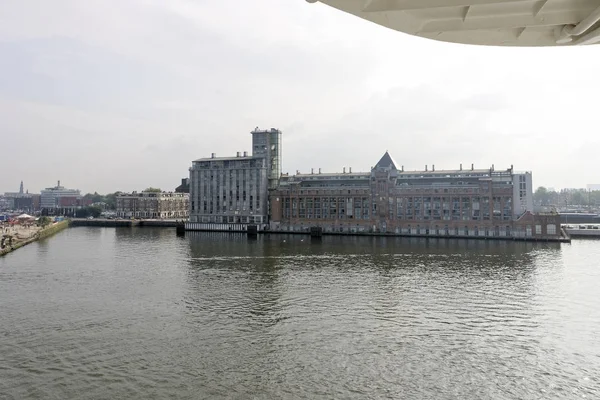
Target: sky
[(108, 95)]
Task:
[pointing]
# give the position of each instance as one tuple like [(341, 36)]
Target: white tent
[(25, 216)]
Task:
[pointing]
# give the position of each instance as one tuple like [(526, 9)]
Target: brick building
[(460, 203)]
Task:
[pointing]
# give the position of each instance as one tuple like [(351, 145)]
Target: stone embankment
[(102, 222), (20, 236)]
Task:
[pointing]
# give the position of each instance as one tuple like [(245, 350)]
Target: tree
[(111, 201), (579, 198), (95, 211), (152, 189), (542, 196), (44, 221), (91, 211)]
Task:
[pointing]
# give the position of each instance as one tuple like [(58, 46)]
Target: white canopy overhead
[(485, 22), (25, 216)]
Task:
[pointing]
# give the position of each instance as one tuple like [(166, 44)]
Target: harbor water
[(141, 313)]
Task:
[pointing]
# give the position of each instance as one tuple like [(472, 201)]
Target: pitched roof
[(386, 162)]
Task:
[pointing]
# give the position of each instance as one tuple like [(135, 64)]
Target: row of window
[(230, 219)]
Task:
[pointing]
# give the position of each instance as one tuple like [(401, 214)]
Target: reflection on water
[(142, 313)]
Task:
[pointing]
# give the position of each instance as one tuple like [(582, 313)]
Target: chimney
[(472, 167), (425, 168), (350, 171), (344, 170), (238, 154), (312, 171), (319, 170), (213, 155), (245, 154), (492, 167), (433, 167), (297, 172), (511, 168), (403, 168), (58, 184), (461, 166)]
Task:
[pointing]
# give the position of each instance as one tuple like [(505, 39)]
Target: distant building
[(152, 205), (22, 200), (28, 203), (463, 202), (229, 193), (59, 200), (184, 187), (6, 203)]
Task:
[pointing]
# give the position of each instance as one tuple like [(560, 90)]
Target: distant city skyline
[(26, 189), (104, 104)]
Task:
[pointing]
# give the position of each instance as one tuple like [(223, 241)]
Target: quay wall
[(239, 228), (115, 223), (125, 223)]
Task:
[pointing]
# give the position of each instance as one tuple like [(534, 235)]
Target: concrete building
[(388, 199), (60, 200), (153, 205), (230, 193)]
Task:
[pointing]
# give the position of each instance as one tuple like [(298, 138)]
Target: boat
[(575, 230)]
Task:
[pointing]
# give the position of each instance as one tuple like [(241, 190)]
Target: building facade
[(152, 205), (461, 203), (230, 193), (60, 200), (21, 201)]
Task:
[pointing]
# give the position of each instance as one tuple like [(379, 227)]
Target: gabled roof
[(387, 162)]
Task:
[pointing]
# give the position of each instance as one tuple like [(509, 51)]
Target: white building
[(522, 192), (152, 205), (59, 197)]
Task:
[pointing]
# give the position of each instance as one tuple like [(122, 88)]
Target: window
[(551, 229), (538, 229)]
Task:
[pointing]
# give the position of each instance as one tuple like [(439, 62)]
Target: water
[(141, 313)]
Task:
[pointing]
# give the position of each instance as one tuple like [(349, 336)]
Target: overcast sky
[(122, 95)]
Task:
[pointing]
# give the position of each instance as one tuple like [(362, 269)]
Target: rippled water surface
[(141, 313)]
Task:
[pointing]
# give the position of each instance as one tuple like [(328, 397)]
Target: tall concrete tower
[(21, 188), (267, 143)]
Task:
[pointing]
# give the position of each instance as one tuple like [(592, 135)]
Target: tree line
[(103, 202), (110, 199), (566, 197)]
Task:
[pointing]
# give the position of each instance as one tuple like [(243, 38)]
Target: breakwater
[(42, 234)]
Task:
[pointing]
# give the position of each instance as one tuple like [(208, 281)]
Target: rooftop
[(234, 158), (333, 174)]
